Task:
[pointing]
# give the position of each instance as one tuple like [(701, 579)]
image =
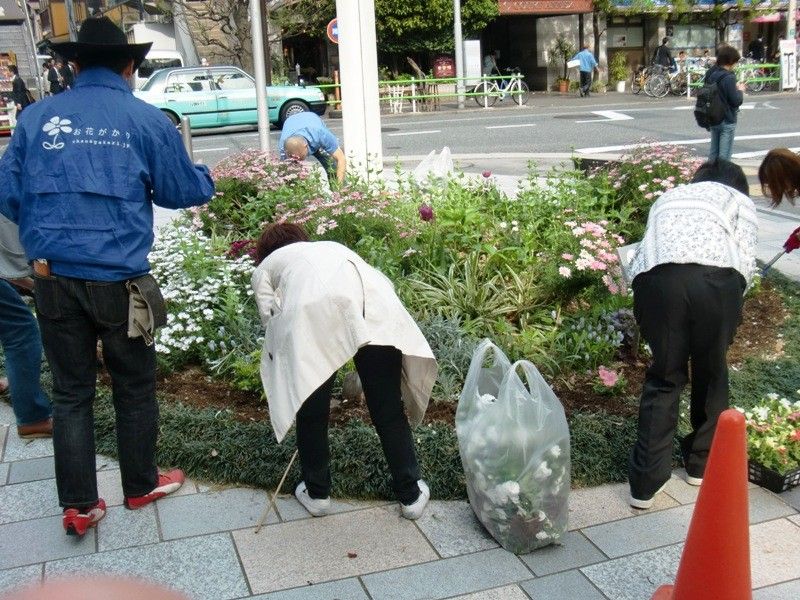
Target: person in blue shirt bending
[(304, 134), (80, 177), (588, 64)]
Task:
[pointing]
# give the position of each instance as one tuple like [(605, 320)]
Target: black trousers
[(686, 313), (379, 368), (72, 314)]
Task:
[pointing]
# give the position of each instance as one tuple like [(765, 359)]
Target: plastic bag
[(434, 167), (514, 444)]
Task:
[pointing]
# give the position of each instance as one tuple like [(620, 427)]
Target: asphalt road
[(609, 123), (550, 123)]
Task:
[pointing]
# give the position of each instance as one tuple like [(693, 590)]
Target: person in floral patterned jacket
[(689, 275)]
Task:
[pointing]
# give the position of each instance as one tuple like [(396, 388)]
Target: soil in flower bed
[(758, 335)]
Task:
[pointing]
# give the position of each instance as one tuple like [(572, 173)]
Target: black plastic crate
[(772, 480)]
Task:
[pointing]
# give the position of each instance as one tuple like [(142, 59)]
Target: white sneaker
[(695, 481), (645, 504), (318, 507), (414, 511)]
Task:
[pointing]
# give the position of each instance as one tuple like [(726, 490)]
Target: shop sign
[(544, 7)]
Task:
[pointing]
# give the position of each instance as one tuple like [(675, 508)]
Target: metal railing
[(422, 93), (753, 75)]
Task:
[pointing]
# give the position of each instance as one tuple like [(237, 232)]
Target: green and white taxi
[(223, 96)]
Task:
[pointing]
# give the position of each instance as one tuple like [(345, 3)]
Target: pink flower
[(608, 377), (795, 437), (597, 266), (426, 212), (567, 256), (487, 174)]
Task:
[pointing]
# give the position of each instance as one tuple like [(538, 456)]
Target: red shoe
[(167, 483), (77, 522)]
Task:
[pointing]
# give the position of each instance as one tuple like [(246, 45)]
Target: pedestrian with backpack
[(724, 97)]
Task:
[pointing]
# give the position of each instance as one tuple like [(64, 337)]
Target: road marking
[(757, 153), (745, 106), (511, 126), (211, 149), (608, 116), (427, 131), (601, 149)]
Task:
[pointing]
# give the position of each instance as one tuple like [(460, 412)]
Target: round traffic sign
[(333, 31)]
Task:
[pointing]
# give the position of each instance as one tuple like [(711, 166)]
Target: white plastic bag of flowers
[(514, 444)]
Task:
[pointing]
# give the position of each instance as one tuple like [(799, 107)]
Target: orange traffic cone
[(716, 559)]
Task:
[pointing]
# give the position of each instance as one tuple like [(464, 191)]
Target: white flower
[(503, 225), (543, 472)]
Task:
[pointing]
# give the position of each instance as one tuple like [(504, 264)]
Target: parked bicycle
[(662, 81), (752, 74), (488, 91)]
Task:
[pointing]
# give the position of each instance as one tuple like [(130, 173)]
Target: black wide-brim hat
[(101, 36)]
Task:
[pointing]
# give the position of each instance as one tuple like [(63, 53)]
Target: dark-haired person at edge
[(322, 306), (689, 275), (731, 94), (80, 177), (19, 91), (779, 175)]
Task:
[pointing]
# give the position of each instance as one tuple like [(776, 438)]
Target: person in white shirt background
[(689, 275)]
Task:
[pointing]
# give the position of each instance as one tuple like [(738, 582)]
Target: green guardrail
[(774, 69), (405, 83)]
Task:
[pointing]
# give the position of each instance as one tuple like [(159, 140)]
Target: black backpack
[(710, 107)]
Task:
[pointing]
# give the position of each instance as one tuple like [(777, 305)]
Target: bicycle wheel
[(485, 93), (754, 86), (637, 83), (678, 85), (519, 93), (656, 86)]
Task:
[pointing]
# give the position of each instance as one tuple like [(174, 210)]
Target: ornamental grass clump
[(773, 433)]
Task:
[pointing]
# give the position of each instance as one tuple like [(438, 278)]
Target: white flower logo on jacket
[(52, 128)]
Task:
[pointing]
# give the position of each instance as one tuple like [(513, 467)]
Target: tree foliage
[(401, 25)]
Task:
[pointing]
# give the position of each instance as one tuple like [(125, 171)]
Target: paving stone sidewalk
[(201, 541)]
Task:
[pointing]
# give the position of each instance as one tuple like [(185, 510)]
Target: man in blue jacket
[(588, 64), (80, 178), (731, 94), (304, 134)]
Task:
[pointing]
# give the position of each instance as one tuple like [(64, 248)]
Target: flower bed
[(536, 273)]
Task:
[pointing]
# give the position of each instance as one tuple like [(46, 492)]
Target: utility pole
[(260, 74), (73, 31), (358, 58), (459, 48), (791, 17), (267, 48)]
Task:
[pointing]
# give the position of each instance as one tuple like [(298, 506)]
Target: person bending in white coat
[(322, 305)]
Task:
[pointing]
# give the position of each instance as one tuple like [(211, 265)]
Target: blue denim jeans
[(73, 313), (721, 141), (22, 347)]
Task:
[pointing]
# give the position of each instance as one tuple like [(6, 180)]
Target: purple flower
[(487, 174), (426, 212)]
